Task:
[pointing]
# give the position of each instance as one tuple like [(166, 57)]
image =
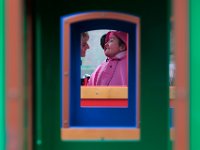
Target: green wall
[(2, 77), (154, 73), (194, 74)]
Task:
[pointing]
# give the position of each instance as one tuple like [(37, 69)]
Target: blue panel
[(171, 115), (101, 117)]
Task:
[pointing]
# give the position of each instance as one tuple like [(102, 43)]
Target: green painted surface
[(2, 77), (39, 86), (26, 86), (194, 74), (154, 74)]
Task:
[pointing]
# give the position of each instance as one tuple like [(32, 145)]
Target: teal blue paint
[(194, 74), (2, 77)]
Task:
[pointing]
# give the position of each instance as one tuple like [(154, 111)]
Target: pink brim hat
[(119, 34)]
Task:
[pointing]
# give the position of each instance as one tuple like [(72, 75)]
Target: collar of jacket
[(119, 56)]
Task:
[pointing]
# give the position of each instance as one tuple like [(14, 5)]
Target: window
[(88, 111)]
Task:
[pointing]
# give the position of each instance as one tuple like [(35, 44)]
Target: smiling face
[(113, 46), (84, 44)]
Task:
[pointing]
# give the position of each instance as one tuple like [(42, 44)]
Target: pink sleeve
[(93, 78)]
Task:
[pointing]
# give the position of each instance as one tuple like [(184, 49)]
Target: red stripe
[(172, 102), (104, 103)]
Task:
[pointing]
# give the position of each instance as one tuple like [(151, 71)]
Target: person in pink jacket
[(113, 71)]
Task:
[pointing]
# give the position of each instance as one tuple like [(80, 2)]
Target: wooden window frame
[(69, 133)]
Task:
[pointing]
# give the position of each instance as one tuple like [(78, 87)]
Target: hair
[(102, 41), (84, 34)]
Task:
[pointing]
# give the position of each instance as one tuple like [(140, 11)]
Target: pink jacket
[(112, 72)]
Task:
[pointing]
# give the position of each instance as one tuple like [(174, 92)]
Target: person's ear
[(122, 47)]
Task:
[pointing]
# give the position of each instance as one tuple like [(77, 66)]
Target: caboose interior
[(36, 36)]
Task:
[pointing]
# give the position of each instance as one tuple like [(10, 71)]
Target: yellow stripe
[(94, 92), (104, 92), (172, 92)]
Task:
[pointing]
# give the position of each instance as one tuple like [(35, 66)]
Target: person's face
[(112, 47), (84, 45)]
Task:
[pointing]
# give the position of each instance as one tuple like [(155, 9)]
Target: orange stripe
[(100, 134), (181, 52), (14, 74), (65, 76)]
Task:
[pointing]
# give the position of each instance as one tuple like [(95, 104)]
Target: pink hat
[(119, 34)]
